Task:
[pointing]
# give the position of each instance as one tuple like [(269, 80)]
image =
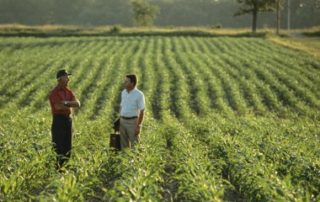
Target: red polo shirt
[(57, 95)]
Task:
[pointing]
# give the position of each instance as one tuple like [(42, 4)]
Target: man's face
[(127, 83), (64, 80)]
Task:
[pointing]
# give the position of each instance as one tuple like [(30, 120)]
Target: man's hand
[(138, 129), (66, 103), (73, 103), (139, 122)]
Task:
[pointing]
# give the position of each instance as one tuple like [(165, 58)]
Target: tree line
[(216, 13)]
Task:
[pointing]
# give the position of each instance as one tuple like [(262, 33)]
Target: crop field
[(227, 119)]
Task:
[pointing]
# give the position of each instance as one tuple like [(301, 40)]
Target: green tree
[(254, 7), (144, 12)]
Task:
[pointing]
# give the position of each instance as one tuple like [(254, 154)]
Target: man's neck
[(129, 89), (61, 86)]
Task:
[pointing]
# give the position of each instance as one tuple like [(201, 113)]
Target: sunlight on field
[(310, 45)]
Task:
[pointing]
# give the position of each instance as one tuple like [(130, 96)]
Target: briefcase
[(115, 137), (115, 141)]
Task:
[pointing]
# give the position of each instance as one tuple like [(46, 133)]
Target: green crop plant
[(227, 119)]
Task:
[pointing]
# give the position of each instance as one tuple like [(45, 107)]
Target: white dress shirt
[(132, 102)]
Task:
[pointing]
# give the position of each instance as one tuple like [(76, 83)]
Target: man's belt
[(127, 118), (61, 115)]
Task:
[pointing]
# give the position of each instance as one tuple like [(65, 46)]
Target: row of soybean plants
[(79, 62), (256, 95), (190, 174), (215, 89), (229, 63), (210, 88), (231, 72), (24, 71), (182, 88), (35, 71), (27, 160), (179, 89), (25, 150), (179, 181), (182, 98), (296, 66), (91, 138), (263, 160), (27, 156), (169, 164), (271, 169), (131, 174), (199, 98), (92, 166), (187, 72), (246, 62), (193, 89), (293, 87), (138, 174), (222, 89), (127, 175), (82, 178), (293, 149), (161, 98), (293, 61), (104, 176), (222, 92), (168, 81)]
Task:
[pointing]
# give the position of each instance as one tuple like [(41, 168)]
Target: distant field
[(227, 119), (117, 30)]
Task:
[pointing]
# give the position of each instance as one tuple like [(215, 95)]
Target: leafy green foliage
[(227, 119)]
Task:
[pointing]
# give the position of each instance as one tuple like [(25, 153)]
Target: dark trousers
[(61, 130)]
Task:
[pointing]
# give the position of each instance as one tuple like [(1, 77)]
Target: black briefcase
[(115, 141), (115, 137)]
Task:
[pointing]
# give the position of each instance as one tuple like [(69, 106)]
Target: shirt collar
[(134, 89), (61, 87)]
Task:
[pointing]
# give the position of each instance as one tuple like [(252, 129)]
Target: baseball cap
[(62, 72)]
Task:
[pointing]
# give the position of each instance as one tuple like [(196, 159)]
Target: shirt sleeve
[(141, 102), (121, 101), (73, 98)]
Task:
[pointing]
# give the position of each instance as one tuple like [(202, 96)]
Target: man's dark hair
[(133, 79)]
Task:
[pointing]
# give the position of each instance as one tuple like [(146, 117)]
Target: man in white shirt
[(132, 108)]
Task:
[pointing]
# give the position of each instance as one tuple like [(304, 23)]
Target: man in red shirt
[(62, 100)]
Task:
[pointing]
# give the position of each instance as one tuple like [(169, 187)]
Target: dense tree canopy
[(144, 12)]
